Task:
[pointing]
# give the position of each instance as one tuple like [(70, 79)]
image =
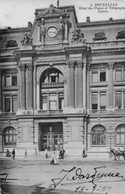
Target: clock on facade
[(52, 32)]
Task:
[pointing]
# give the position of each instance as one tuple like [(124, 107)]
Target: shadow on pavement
[(19, 189)]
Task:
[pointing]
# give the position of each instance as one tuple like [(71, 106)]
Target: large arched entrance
[(50, 136)]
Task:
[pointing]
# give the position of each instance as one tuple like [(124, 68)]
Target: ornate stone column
[(65, 93), (84, 84), (29, 89), (71, 84), (80, 84), (0, 91), (110, 85), (38, 96), (19, 87), (38, 30), (34, 87), (76, 85), (22, 86), (66, 31), (88, 86)]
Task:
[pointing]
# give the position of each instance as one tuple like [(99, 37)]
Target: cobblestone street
[(69, 176)]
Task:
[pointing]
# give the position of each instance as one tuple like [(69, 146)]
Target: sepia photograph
[(62, 96)]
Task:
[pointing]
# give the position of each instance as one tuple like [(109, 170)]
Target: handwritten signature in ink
[(76, 176)]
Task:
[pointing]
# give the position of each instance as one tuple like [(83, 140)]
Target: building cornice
[(101, 23), (14, 30), (50, 52), (25, 53), (110, 51)]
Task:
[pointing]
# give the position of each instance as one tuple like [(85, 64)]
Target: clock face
[(52, 32)]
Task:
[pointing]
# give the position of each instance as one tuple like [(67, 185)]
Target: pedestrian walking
[(46, 153), (61, 153), (13, 154), (84, 154), (25, 153), (54, 159)]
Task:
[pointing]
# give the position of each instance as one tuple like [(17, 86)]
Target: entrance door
[(51, 136), (53, 141)]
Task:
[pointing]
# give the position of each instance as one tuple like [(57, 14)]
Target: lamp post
[(110, 137), (85, 125), (51, 143)]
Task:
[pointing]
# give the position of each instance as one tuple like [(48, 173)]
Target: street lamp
[(85, 125), (51, 143)]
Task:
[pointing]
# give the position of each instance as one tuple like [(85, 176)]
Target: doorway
[(50, 136)]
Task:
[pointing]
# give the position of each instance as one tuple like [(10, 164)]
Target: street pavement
[(70, 176)]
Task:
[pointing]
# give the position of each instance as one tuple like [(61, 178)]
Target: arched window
[(99, 36), (52, 75), (98, 135), (52, 90), (120, 135), (9, 136), (120, 35)]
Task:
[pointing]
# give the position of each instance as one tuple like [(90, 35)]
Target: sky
[(17, 13)]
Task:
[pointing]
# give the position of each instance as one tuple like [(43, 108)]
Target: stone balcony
[(8, 114), (52, 85)]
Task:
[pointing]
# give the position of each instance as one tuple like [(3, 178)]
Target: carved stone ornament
[(22, 67), (26, 39), (29, 67), (77, 35), (61, 30), (43, 30)]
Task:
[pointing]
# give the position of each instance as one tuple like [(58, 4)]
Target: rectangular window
[(102, 74), (124, 99), (14, 80), (94, 101), (94, 75), (124, 74), (44, 102), (14, 104), (53, 102), (103, 100), (118, 74), (11, 104), (7, 80), (61, 101), (7, 104), (118, 100), (53, 79), (53, 105)]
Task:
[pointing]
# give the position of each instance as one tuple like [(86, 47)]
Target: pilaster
[(84, 84), (30, 86), (34, 88), (110, 85), (66, 31), (71, 84), (76, 85), (65, 94), (22, 86), (0, 91), (79, 84), (88, 86)]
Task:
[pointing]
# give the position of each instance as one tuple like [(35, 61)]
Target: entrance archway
[(50, 136)]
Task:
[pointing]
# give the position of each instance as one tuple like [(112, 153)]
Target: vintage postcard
[(62, 96)]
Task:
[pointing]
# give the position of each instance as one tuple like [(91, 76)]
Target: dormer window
[(11, 43), (99, 36), (121, 35)]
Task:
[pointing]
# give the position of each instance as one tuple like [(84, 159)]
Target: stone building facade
[(62, 83)]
